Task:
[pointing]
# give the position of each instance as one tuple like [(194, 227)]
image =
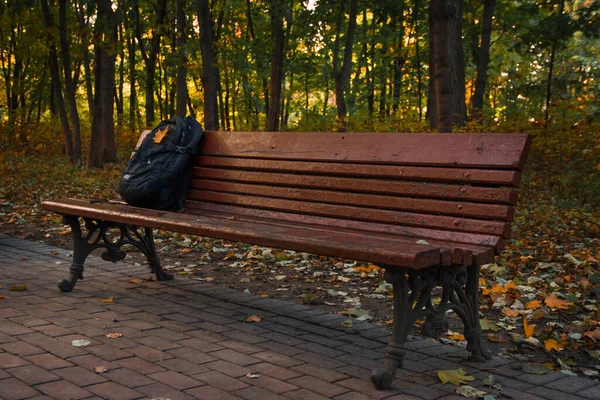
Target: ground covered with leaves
[(541, 299)]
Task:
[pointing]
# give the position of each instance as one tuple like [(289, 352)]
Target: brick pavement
[(186, 339)]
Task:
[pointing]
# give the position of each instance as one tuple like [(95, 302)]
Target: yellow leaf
[(456, 336), (552, 344), (263, 295), (109, 300), (18, 288), (389, 322), (136, 281), (114, 335), (160, 134), (554, 302), (253, 318), (533, 304), (455, 376), (528, 328)]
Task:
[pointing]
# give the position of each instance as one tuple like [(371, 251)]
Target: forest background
[(81, 79)]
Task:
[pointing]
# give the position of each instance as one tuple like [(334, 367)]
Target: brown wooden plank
[(379, 186), (463, 209), (382, 250), (457, 224), (396, 172), (437, 236), (476, 254), (488, 150)]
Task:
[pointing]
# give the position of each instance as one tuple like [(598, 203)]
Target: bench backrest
[(448, 187)]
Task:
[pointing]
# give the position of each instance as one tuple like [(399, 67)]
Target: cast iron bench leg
[(97, 237)]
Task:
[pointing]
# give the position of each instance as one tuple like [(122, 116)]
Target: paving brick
[(304, 394), (9, 360), (158, 343), (325, 374), (48, 361), (258, 393), (571, 384), (228, 368), (149, 354), (90, 362), (63, 390), (591, 392), (168, 334), (29, 321), (221, 381), (540, 379), (552, 394), (272, 384), (175, 379), (210, 393), (319, 360), (158, 390), (10, 328), (200, 344), (21, 348), (367, 388), (275, 371), (241, 347), (107, 352), (279, 359), (318, 386), (184, 366), (14, 389), (114, 391), (352, 396), (235, 357), (520, 395), (53, 330), (195, 356), (139, 365), (79, 376)]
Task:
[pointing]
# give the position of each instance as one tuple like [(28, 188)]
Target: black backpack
[(157, 176)]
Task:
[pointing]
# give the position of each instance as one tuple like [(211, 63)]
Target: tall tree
[(557, 34), (181, 80), (209, 73), (102, 143), (343, 75), (277, 12), (484, 58)]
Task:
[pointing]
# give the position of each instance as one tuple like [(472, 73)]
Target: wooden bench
[(429, 208)]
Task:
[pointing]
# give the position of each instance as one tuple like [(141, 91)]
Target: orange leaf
[(528, 328), (552, 344), (253, 318), (456, 336), (114, 335), (533, 304), (497, 338), (554, 302), (1, 297), (509, 312), (594, 335), (108, 300)]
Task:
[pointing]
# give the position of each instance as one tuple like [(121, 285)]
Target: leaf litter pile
[(540, 301)]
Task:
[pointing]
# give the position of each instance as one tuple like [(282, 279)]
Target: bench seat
[(428, 208)]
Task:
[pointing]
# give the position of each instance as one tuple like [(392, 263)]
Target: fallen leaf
[(114, 335), (1, 297), (65, 232), (347, 323), (455, 376), (80, 342), (532, 305), (552, 344), (488, 325), (536, 369), (509, 312), (252, 376), (498, 338), (136, 281), (100, 369), (18, 288), (108, 300), (594, 335), (554, 302), (528, 328), (456, 336), (253, 318), (492, 382), (470, 391)]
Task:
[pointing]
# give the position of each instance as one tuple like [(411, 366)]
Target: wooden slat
[(466, 253), (496, 151), (463, 209), (457, 224), (398, 188), (382, 250), (439, 236), (397, 172)]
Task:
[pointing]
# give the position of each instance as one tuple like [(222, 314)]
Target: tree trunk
[(561, 6), (484, 59), (181, 80), (277, 35), (102, 144), (209, 77), (441, 64), (132, 87), (56, 84), (457, 63), (83, 26), (343, 76)]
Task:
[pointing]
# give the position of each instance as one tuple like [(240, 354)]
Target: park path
[(187, 339)]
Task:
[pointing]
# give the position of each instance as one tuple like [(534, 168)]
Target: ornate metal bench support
[(412, 300), (97, 236)]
